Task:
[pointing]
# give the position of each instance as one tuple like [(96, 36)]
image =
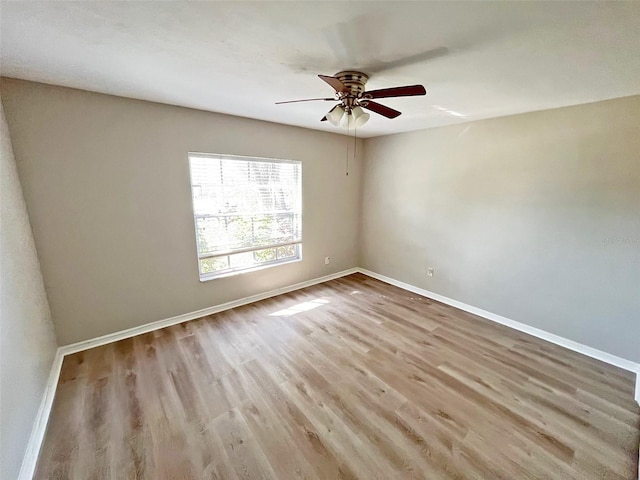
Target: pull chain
[(347, 162), (355, 141), (355, 144)]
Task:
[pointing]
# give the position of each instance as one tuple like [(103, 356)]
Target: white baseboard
[(40, 425), (30, 459), (536, 332), (167, 322)]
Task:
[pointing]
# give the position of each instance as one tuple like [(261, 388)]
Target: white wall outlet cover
[(327, 260), (430, 271)]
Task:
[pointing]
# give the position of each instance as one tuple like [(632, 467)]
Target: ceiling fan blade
[(309, 100), (337, 85), (380, 109), (408, 91)]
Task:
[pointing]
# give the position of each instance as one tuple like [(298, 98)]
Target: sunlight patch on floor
[(301, 307)]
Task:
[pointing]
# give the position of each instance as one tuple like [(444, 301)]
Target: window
[(247, 212)]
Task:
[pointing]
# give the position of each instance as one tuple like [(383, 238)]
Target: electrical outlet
[(327, 260), (430, 271)]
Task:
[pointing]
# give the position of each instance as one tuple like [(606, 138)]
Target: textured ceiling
[(476, 59)]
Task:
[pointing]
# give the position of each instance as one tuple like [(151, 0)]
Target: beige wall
[(106, 182), (27, 339), (535, 217)]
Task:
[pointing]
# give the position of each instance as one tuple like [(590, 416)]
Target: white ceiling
[(476, 59)]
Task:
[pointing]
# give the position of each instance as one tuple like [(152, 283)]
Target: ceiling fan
[(352, 98)]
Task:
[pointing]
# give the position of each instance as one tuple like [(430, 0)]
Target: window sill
[(213, 276)]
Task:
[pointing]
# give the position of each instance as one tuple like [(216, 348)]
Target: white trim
[(149, 327), (536, 332), (38, 431), (30, 459)]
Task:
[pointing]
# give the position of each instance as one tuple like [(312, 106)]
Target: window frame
[(208, 276)]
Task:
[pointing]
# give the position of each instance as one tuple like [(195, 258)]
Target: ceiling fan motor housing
[(354, 81)]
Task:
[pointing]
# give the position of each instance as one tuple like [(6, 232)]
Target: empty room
[(319, 240)]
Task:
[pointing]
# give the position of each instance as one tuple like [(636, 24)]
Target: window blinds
[(243, 205)]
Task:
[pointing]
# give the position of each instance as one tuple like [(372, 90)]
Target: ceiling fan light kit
[(358, 117), (338, 116), (335, 115), (351, 96)]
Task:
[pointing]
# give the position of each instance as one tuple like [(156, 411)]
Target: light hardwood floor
[(348, 379)]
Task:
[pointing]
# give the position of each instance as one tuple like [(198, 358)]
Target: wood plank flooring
[(350, 379)]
